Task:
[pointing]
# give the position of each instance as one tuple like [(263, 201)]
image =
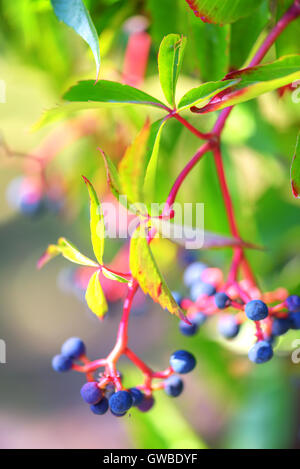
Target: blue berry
[(221, 300), (91, 393), (193, 273), (61, 363), (261, 352), (177, 297), (120, 402), (256, 310), (173, 386), (182, 361), (293, 303), (73, 348), (295, 320), (118, 415), (228, 327), (137, 396), (101, 407), (146, 404), (188, 329), (199, 318), (201, 288), (281, 325)]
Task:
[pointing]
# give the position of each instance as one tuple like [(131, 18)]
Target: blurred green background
[(227, 402)]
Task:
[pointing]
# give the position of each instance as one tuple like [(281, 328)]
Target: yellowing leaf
[(132, 167), (97, 226), (145, 270), (95, 297), (68, 250)]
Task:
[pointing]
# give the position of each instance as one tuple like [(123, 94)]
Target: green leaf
[(244, 34), (295, 170), (145, 270), (255, 81), (74, 14), (222, 12), (68, 250), (213, 55), (286, 42), (113, 276), (95, 297), (109, 92), (153, 150), (132, 167), (97, 226), (170, 58), (203, 93)]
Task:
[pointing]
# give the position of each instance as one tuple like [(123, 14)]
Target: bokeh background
[(228, 402)]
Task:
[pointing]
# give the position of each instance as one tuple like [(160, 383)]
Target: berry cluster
[(107, 392), (273, 313)]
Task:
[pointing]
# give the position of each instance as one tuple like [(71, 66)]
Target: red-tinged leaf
[(113, 276), (68, 250), (222, 11), (97, 226), (145, 270), (95, 297), (295, 170), (254, 81)]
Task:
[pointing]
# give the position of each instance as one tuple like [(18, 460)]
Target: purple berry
[(61, 363), (146, 404), (120, 402), (73, 348), (91, 393), (256, 310), (261, 352), (222, 300), (173, 386), (101, 407)]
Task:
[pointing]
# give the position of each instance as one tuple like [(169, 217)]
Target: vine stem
[(213, 143)]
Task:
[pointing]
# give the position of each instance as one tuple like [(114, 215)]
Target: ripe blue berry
[(199, 318), (101, 407), (120, 402), (261, 352), (137, 396), (90, 393), (188, 329), (281, 325), (118, 415), (146, 404), (256, 310), (61, 363), (295, 320), (177, 297), (293, 303), (182, 361), (221, 300), (173, 386), (73, 348), (228, 327), (201, 288), (193, 273)]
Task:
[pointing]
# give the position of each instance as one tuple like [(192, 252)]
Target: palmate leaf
[(222, 11), (145, 270), (170, 58), (95, 297), (97, 226), (295, 170), (68, 250), (255, 81), (74, 14)]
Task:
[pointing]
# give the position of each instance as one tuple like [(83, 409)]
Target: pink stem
[(191, 128)]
